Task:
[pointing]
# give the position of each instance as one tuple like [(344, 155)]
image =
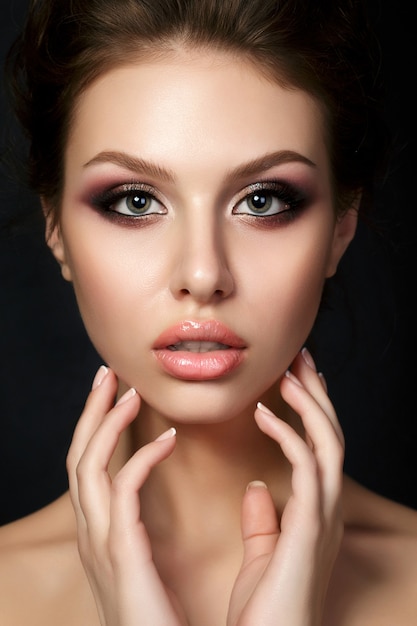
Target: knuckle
[(339, 454), (81, 471), (310, 462), (119, 485), (71, 462)]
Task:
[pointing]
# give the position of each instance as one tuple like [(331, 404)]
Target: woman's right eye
[(136, 204), (129, 202)]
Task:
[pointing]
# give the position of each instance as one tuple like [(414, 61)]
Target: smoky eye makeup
[(128, 202), (272, 202), (265, 203)]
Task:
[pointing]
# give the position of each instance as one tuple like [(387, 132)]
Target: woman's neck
[(202, 484)]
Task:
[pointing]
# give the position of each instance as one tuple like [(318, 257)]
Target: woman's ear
[(53, 237), (344, 232)]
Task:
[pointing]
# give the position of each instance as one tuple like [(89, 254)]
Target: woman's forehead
[(212, 104)]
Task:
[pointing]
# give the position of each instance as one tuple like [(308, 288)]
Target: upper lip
[(204, 331)]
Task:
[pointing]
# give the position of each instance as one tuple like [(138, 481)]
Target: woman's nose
[(201, 269)]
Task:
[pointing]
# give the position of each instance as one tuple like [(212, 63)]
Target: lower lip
[(199, 365)]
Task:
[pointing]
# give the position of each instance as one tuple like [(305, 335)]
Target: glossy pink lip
[(209, 363)]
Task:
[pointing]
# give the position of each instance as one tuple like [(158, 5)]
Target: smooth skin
[(193, 503), (276, 566), (200, 122)]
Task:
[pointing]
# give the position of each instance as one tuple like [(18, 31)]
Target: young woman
[(201, 167)]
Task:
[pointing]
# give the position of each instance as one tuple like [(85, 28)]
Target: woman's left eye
[(260, 203), (266, 201)]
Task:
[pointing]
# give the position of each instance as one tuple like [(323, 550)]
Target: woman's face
[(197, 228)]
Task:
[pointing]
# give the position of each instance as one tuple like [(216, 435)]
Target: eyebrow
[(256, 166), (267, 161), (132, 163)]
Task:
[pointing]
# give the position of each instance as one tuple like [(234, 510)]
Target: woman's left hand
[(287, 565)]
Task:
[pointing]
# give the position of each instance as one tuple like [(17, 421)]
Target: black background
[(368, 355)]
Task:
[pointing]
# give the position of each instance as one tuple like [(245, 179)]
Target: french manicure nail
[(308, 359), (126, 396), (171, 432), (256, 483), (265, 409), (294, 379), (100, 376), (323, 381)]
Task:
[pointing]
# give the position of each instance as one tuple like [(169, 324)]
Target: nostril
[(201, 277)]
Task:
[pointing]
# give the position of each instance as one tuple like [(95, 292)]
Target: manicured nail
[(171, 432), (308, 359), (323, 381), (100, 376), (294, 379), (256, 483), (265, 409), (126, 396)]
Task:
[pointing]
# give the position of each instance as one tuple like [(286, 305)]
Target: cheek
[(114, 284), (122, 287), (286, 292)]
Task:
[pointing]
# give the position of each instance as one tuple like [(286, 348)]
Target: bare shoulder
[(52, 522), (40, 570), (368, 510), (376, 573)]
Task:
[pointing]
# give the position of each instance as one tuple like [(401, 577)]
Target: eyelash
[(292, 198), (105, 200)]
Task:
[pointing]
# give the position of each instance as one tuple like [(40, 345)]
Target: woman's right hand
[(113, 543)]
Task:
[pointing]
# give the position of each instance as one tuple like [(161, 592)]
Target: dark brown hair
[(322, 46)]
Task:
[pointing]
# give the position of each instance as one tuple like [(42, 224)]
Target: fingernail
[(265, 409), (323, 381), (100, 376), (308, 359), (171, 432), (256, 483), (126, 396), (294, 379)]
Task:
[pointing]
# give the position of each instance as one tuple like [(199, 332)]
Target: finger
[(260, 535), (128, 540), (304, 368), (129, 546), (301, 523), (94, 482), (99, 402), (304, 480), (259, 523), (327, 448)]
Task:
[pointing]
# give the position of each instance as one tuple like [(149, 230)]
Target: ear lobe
[(344, 232), (54, 241)]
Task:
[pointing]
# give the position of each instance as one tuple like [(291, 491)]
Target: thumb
[(260, 529)]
